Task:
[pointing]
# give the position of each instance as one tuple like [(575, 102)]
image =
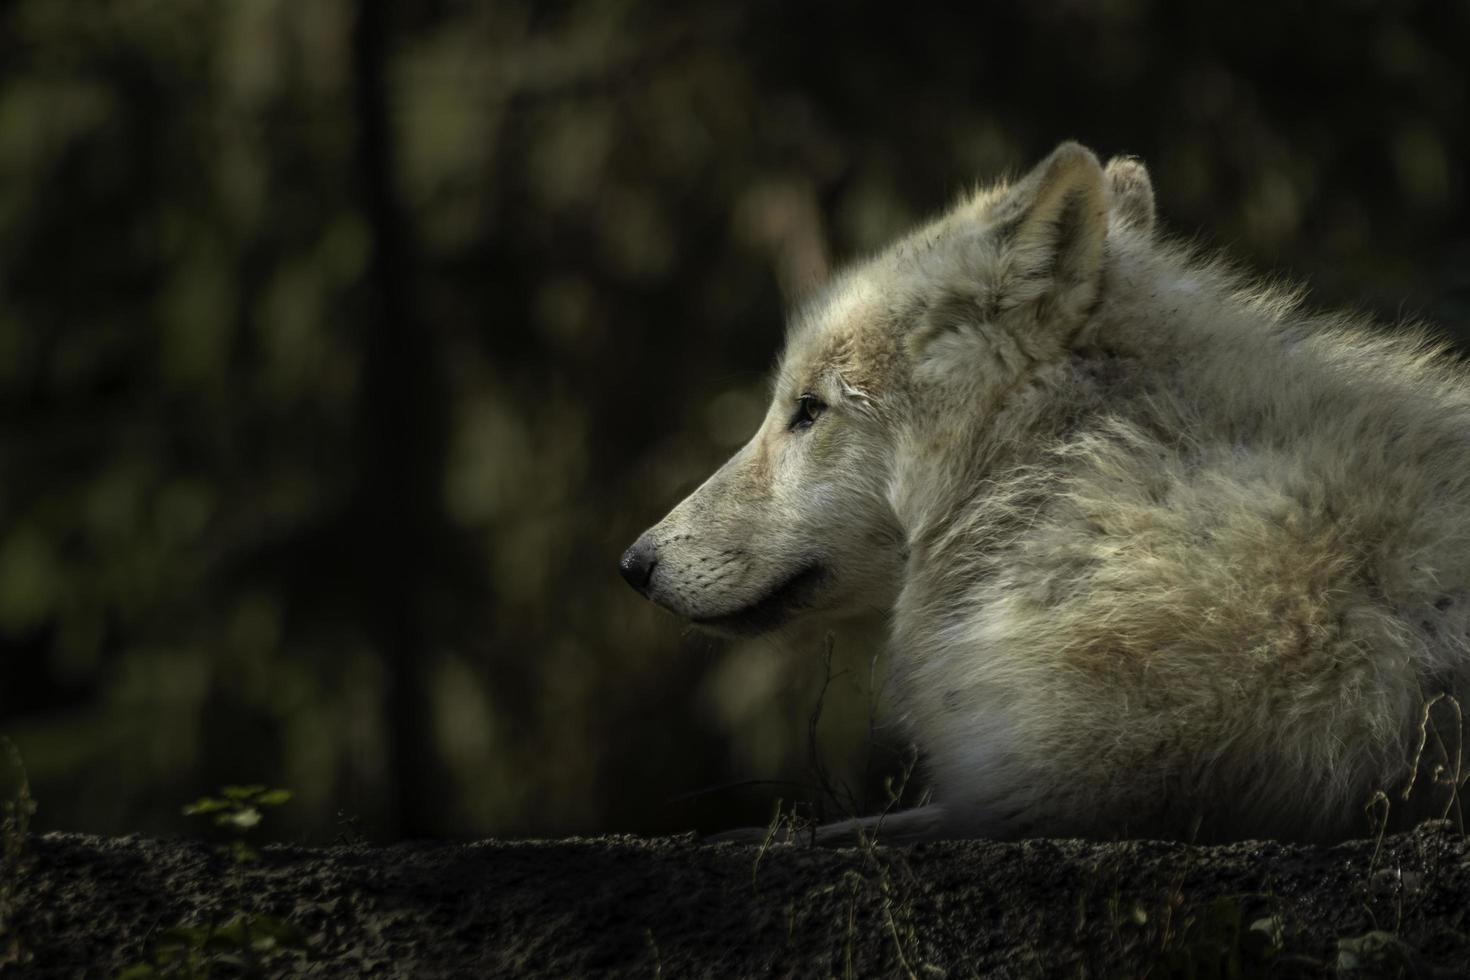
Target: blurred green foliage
[(605, 206)]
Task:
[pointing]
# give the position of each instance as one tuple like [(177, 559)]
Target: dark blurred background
[(344, 347)]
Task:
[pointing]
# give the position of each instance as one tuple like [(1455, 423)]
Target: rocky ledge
[(672, 907)]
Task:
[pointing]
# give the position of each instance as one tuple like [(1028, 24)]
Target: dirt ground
[(673, 907)]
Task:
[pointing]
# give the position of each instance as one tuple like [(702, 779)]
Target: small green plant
[(242, 944), (1219, 940), (238, 808), (238, 948), (349, 830), (15, 825)]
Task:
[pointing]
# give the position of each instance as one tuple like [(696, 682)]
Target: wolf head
[(892, 378)]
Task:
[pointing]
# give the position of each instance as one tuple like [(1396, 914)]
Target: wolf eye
[(808, 408)]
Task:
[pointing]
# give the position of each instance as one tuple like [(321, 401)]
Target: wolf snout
[(638, 563)]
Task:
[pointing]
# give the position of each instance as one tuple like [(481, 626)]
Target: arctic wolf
[(1163, 554)]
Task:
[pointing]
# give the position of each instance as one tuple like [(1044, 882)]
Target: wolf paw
[(748, 835), (903, 827)]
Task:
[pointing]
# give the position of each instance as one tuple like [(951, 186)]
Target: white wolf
[(1164, 555)]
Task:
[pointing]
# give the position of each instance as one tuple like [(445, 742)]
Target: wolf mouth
[(772, 610)]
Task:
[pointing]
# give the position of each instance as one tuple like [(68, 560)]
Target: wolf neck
[(959, 478), (939, 492)]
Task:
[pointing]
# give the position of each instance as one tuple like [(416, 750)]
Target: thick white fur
[(1165, 555)]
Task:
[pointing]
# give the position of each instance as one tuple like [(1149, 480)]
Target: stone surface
[(673, 907)]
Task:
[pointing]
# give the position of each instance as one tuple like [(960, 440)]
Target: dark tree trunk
[(402, 451)]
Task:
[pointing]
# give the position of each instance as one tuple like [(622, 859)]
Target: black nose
[(638, 562)]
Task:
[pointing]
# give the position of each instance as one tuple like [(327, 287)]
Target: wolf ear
[(1051, 228), (1132, 192)]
